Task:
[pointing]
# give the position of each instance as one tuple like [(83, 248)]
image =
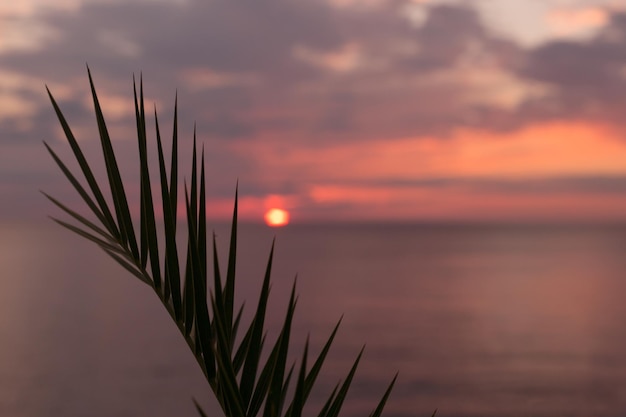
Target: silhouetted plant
[(242, 382)]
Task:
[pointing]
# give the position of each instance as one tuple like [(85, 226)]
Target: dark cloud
[(222, 35), (446, 35), (164, 39), (226, 126), (587, 78), (339, 118)]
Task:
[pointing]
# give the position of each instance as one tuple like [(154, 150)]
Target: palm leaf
[(102, 243), (81, 219), (110, 225), (201, 312), (273, 404), (253, 353), (199, 409), (103, 212), (229, 287), (329, 402), (149, 244), (335, 407), (379, 409), (115, 181), (241, 382), (295, 409), (172, 272)]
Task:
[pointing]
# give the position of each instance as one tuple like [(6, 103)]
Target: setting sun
[(276, 217)]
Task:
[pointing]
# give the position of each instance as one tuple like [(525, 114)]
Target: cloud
[(289, 94), (343, 60), (587, 79), (577, 21), (289, 59), (313, 71), (551, 149), (204, 78)]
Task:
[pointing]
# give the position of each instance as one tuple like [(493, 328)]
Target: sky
[(335, 110)]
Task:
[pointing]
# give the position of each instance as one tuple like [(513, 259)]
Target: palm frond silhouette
[(245, 382)]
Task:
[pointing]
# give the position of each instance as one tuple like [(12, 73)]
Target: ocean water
[(478, 320)]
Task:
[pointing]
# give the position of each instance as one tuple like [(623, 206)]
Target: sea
[(489, 320)]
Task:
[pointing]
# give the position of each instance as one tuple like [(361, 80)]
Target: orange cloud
[(549, 149), (561, 148), (543, 151), (333, 194), (569, 21)]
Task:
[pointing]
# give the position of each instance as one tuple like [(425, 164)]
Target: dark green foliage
[(242, 383)]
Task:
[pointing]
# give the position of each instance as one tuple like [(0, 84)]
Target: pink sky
[(338, 109)]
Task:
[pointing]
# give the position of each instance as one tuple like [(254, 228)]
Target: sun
[(276, 217)]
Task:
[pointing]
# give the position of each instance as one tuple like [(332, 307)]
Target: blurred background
[(454, 174)]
